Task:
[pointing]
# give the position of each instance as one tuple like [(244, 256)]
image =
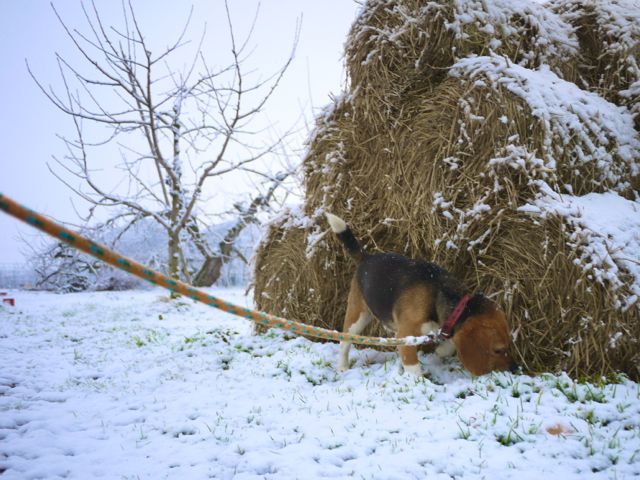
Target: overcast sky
[(29, 123)]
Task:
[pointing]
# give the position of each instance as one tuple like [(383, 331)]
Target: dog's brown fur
[(413, 298)]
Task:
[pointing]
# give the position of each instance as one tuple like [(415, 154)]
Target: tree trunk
[(211, 269), (176, 199), (209, 272), (173, 262)]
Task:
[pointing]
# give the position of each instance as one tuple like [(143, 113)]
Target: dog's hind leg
[(356, 320), (356, 328)]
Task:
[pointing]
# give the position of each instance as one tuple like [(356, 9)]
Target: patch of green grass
[(149, 337), (579, 393), (611, 378), (322, 363), (621, 407), (510, 438), (284, 367), (496, 411), (595, 394), (534, 428), (464, 433), (465, 430), (589, 416), (334, 446), (569, 391), (515, 390), (501, 379), (465, 393), (243, 348)]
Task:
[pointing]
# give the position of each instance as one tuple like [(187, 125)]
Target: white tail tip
[(336, 223)]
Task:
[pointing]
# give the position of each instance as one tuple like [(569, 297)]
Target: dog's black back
[(383, 277)]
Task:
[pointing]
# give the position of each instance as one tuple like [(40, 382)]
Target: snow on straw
[(595, 131)]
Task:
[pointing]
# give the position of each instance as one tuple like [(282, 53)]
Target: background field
[(155, 389)]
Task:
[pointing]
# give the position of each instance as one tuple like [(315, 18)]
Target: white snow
[(575, 121), (633, 94), (553, 37), (618, 20), (130, 386)]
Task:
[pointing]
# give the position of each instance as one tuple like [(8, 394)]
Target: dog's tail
[(345, 235)]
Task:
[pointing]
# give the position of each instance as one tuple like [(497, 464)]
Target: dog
[(413, 298)]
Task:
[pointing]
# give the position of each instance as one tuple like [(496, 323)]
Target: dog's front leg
[(409, 354), (407, 323), (446, 348), (409, 359)]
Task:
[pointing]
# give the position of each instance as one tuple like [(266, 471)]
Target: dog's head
[(483, 341)]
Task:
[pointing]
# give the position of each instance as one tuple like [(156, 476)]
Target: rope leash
[(123, 263)]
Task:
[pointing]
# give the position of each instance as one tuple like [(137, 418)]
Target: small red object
[(10, 301), (454, 316)]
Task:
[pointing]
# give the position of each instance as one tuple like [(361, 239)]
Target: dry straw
[(400, 48), (440, 173)]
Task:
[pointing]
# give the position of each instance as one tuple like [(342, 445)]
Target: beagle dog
[(413, 298)]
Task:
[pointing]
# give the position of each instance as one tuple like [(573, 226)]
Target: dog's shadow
[(437, 370)]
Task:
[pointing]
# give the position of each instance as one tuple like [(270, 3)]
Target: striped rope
[(112, 258)]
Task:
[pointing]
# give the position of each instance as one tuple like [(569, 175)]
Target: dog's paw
[(413, 370), (342, 366), (446, 349)]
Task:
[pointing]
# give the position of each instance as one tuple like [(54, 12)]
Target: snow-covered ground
[(128, 385)]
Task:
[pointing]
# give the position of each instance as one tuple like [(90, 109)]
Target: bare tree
[(176, 132)]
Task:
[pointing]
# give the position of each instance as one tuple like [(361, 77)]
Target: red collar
[(447, 329)]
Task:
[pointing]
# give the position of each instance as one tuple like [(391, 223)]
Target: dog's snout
[(514, 367)]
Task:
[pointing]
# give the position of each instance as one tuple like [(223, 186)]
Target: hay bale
[(283, 268), (455, 176), (562, 319), (631, 97), (609, 35), (397, 49), (486, 114), (597, 285), (586, 144)]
